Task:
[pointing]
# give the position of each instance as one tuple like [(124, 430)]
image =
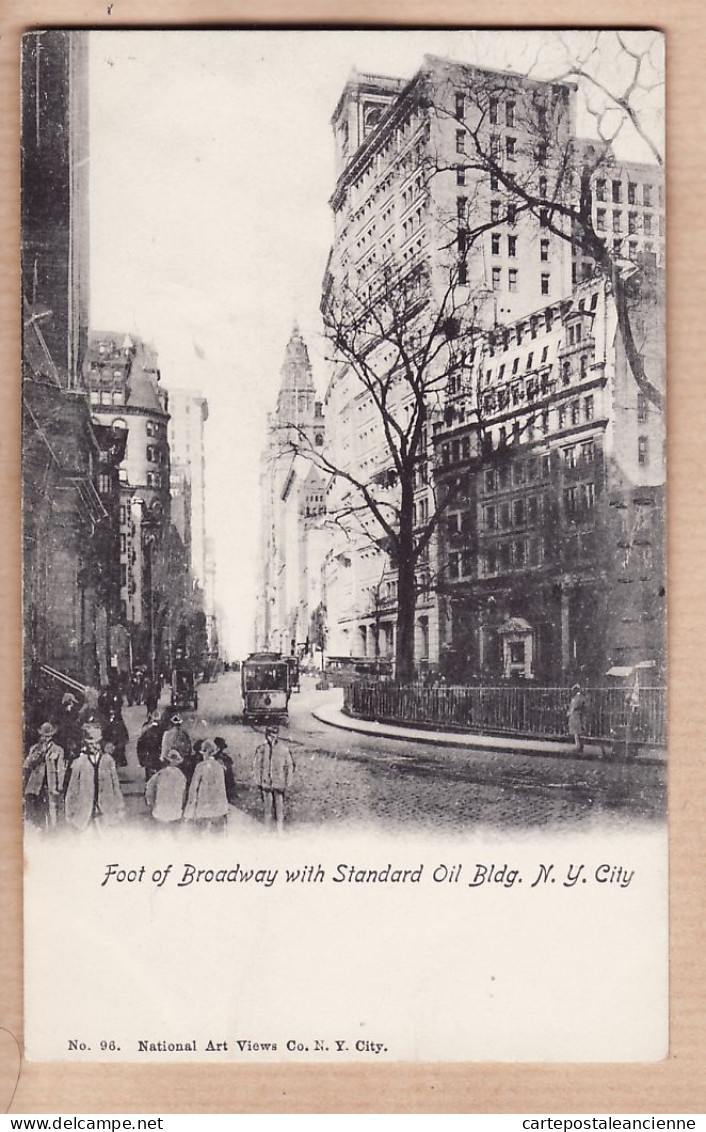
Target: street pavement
[(348, 779)]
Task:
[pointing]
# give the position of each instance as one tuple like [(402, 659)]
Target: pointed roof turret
[(296, 368)]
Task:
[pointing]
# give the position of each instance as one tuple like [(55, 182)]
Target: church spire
[(296, 368)]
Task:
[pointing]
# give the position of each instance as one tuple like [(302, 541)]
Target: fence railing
[(515, 710)]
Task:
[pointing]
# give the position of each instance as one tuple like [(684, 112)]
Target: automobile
[(265, 681)]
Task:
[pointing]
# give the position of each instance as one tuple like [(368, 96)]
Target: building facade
[(294, 540), (69, 464), (465, 179), (553, 461)]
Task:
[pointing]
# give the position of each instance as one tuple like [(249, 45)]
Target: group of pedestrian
[(185, 781), (71, 772), (77, 786)]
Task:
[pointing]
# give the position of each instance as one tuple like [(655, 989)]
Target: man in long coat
[(273, 769), (93, 795), (46, 768)]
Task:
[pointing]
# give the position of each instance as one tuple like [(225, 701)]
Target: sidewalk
[(333, 715)]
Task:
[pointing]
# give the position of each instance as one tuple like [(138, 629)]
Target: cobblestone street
[(360, 779)]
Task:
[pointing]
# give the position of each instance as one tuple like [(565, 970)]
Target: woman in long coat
[(93, 795), (576, 713), (208, 801)]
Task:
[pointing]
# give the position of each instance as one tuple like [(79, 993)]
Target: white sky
[(211, 167)]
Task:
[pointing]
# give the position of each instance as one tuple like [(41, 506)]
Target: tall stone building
[(553, 548), (188, 415), (69, 465), (461, 179), (294, 541), (123, 382)]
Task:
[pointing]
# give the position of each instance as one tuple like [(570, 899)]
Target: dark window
[(460, 175), (600, 190), (495, 243), (510, 145), (460, 105), (545, 283), (460, 141), (544, 250), (512, 279), (512, 246), (509, 113), (617, 192), (643, 451)]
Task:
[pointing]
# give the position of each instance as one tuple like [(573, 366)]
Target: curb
[(466, 742)]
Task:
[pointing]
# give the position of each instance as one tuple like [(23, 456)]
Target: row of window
[(107, 397), (566, 414), (516, 513), (633, 222), (513, 277), (515, 555), (632, 192), (535, 468)]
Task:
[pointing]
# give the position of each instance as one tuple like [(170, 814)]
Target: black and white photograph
[(344, 545)]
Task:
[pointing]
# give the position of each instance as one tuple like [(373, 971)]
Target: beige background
[(676, 1085)]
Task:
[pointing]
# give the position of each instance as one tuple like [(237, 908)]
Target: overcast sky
[(211, 159)]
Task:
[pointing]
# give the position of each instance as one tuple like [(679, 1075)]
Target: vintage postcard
[(344, 548)]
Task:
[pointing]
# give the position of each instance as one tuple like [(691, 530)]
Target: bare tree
[(546, 173), (401, 350)]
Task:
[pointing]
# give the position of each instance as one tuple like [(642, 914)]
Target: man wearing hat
[(273, 768), (176, 738), (207, 806), (93, 795), (226, 762), (166, 790), (68, 727), (46, 768), (149, 745)]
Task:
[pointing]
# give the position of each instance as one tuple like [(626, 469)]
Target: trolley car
[(265, 681)]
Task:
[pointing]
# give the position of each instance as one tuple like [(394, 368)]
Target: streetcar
[(265, 681), (294, 673)]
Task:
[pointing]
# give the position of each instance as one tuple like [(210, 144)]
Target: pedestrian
[(115, 732), (165, 793), (226, 762), (207, 806), (90, 708), (46, 768), (149, 745), (151, 694), (176, 738), (576, 714), (273, 768), (68, 727), (93, 796)]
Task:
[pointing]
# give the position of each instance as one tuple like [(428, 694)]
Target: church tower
[(296, 404)]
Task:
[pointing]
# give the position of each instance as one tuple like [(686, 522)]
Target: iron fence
[(513, 710)]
